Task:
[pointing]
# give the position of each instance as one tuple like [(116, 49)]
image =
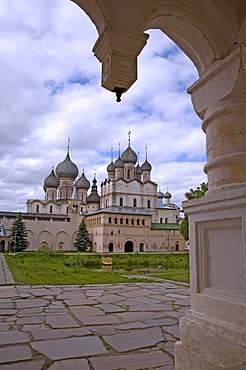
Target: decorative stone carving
[(117, 48)]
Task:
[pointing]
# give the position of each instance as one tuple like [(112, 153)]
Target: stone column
[(213, 332)]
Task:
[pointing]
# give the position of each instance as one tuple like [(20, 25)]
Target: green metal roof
[(155, 226)]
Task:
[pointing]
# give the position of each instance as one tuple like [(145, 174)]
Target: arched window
[(67, 209), (141, 247), (127, 221), (109, 220), (143, 222), (121, 202), (132, 221), (148, 203), (121, 221), (177, 246), (138, 221), (134, 202), (128, 173), (161, 220), (115, 220), (61, 246), (111, 247), (37, 208), (51, 209)]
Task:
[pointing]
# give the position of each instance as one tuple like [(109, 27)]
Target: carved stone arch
[(44, 238), (31, 238), (62, 238), (191, 28), (73, 238), (98, 11)]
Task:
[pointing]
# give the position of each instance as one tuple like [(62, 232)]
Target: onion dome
[(138, 170), (67, 168), (51, 181), (93, 197), (146, 166), (111, 167), (129, 156), (167, 195), (118, 163), (82, 182), (160, 195)]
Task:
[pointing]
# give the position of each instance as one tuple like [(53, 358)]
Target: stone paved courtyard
[(100, 327)]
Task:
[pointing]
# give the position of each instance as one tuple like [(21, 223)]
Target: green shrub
[(46, 249)]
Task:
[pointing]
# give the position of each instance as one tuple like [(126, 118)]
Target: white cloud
[(50, 90)]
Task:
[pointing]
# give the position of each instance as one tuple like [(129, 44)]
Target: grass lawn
[(33, 268)]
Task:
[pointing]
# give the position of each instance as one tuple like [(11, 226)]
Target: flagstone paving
[(93, 327)]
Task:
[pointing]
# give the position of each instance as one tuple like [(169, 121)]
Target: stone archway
[(141, 247), (213, 35), (128, 246)]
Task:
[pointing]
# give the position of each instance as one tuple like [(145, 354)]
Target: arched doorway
[(111, 247), (2, 245), (141, 247), (128, 248)]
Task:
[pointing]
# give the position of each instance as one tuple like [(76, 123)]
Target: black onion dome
[(146, 166), (67, 169), (82, 182), (160, 195), (119, 163), (129, 156), (139, 170), (167, 195), (51, 181), (111, 167), (93, 197)]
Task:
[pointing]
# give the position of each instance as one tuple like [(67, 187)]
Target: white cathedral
[(130, 215)]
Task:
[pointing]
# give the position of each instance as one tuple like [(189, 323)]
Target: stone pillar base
[(213, 332), (206, 345)]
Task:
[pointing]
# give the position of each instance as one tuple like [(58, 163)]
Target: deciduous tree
[(199, 192)]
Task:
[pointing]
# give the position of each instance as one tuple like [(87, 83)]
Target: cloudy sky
[(50, 90)]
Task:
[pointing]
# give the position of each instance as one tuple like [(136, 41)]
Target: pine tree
[(18, 235), (82, 239)]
